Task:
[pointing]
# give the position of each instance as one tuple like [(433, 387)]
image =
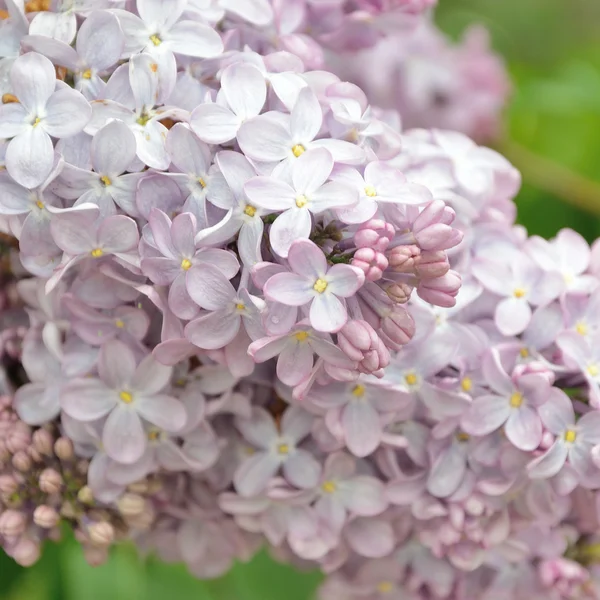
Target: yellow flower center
[(301, 200), (186, 264), (120, 323), (581, 328), (320, 286), (143, 120), (39, 204), (301, 336), (9, 99), (126, 397), (358, 391), (385, 587), (298, 150), (524, 353), (249, 210), (516, 399), (97, 253), (283, 449), (466, 384), (329, 487), (240, 306), (519, 292), (370, 191), (410, 378), (37, 122), (201, 182), (87, 74), (153, 67), (462, 437), (593, 370), (155, 40), (105, 180), (153, 435), (570, 436)]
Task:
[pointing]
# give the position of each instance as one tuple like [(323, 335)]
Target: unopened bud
[(43, 442), (19, 437), (8, 485), (399, 292), (50, 481), (131, 505), (399, 326), (63, 448), (144, 520), (85, 496), (441, 291), (12, 523), (432, 264), (21, 461), (371, 262), (26, 552), (101, 533), (402, 259), (45, 517)]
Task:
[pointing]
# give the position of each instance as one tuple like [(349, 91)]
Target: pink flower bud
[(534, 368), (432, 228), (21, 461), (63, 448), (360, 342), (375, 234), (8, 485), (12, 523), (432, 264), (50, 481), (19, 437), (45, 517), (399, 326), (403, 258), (371, 262), (101, 533), (440, 291), (26, 552), (43, 442), (399, 292), (131, 505)]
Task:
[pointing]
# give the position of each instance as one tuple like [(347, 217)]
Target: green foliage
[(552, 49)]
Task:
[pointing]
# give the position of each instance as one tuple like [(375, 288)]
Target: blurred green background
[(552, 49)]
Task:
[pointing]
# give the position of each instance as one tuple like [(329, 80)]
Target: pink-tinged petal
[(236, 171), (557, 413), (291, 225), (332, 195), (371, 538), (311, 170), (100, 40), (257, 12), (583, 459), (180, 301), (224, 260), (574, 347), (267, 348), (328, 313), (588, 427), (193, 38), (143, 78), (123, 437), (494, 374), (161, 12), (118, 234), (29, 157), (486, 414), (270, 193), (116, 364), (524, 429), (289, 289), (161, 410), (161, 270), (213, 331), (342, 152), (294, 363), (306, 117), (113, 149), (407, 489), (331, 509), (183, 232), (223, 231), (495, 277), (302, 469), (125, 474), (105, 111), (364, 496), (151, 148), (362, 428), (37, 403), (244, 89), (260, 429), (547, 288), (214, 124), (296, 423), (59, 25), (512, 316), (249, 242), (67, 113), (151, 377), (87, 399), (307, 259), (33, 79), (209, 288), (265, 139), (344, 280), (73, 232), (14, 199), (252, 476), (187, 152), (160, 225), (550, 463), (573, 247), (60, 53), (14, 120), (447, 471)]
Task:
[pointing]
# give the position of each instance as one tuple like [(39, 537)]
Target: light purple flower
[(277, 448), (583, 354), (574, 440), (43, 110), (514, 403), (308, 194), (128, 394), (313, 282)]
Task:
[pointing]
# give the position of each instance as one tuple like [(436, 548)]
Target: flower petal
[(116, 364), (550, 463), (362, 428), (213, 331), (524, 428), (302, 469), (214, 124), (193, 38), (289, 289), (328, 313), (270, 193), (512, 316), (123, 437), (265, 139), (344, 280), (252, 476), (311, 170), (209, 288), (67, 113), (33, 79), (29, 157), (87, 399), (161, 410), (151, 377), (244, 88), (486, 414), (291, 225), (113, 149)]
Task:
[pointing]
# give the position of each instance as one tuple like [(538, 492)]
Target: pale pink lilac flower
[(128, 394)]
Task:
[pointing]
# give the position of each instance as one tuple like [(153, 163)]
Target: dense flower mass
[(246, 308)]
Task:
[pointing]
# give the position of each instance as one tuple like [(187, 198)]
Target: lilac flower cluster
[(245, 309)]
